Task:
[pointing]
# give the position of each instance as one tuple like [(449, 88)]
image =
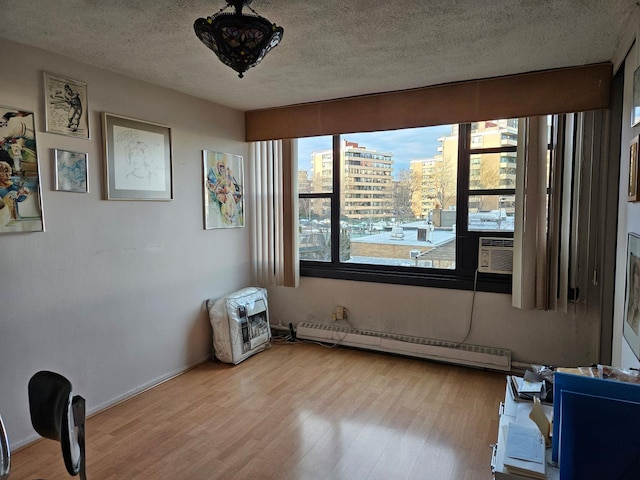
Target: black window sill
[(486, 282)]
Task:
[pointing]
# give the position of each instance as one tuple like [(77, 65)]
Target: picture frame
[(223, 190), (633, 194), (71, 171), (20, 187), (631, 323), (66, 106), (635, 108), (138, 159)]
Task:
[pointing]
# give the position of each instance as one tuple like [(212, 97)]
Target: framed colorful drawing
[(20, 193), (631, 324), (71, 171), (137, 159), (223, 190), (66, 106)]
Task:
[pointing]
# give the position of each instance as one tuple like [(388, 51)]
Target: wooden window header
[(565, 90)]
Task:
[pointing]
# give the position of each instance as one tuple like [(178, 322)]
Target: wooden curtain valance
[(572, 89)]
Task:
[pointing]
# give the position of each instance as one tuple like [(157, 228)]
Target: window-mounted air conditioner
[(495, 255)]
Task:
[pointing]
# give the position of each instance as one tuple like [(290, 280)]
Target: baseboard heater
[(450, 352)]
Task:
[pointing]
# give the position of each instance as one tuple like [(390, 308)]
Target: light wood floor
[(296, 411)]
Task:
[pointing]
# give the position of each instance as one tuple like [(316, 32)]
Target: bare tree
[(406, 187), (445, 181), (304, 208), (489, 178)]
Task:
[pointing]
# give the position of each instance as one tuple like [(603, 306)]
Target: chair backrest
[(57, 415), (5, 452)]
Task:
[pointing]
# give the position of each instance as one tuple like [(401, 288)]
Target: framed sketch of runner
[(66, 109)]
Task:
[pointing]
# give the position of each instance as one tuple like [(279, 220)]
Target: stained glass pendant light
[(240, 41)]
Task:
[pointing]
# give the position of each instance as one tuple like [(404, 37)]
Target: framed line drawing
[(633, 193), (631, 324), (66, 106), (70, 171), (20, 191), (635, 108), (138, 164), (223, 190)]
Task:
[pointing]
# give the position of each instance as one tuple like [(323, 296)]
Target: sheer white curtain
[(273, 214)]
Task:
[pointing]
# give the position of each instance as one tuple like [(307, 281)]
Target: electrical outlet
[(339, 313)]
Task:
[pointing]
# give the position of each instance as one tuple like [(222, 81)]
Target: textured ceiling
[(330, 48)]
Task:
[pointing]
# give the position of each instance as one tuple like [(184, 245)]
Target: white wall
[(111, 295), (438, 313), (628, 218)]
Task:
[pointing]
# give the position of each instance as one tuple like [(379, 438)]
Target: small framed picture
[(223, 190), (71, 171), (635, 108), (137, 159), (631, 324), (66, 106), (633, 193)]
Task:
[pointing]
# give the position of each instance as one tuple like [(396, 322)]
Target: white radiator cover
[(450, 352)]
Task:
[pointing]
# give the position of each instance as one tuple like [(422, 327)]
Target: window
[(406, 206), (492, 176)]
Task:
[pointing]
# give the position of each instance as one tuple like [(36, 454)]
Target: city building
[(495, 170), (367, 190), (491, 170), (304, 181), (423, 199)]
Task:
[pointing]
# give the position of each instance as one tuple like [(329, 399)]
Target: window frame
[(463, 277)]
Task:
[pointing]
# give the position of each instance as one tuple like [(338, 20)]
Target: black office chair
[(5, 452), (56, 415)]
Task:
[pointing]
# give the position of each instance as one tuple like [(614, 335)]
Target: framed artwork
[(633, 194), (635, 108), (66, 107), (223, 190), (631, 324), (20, 193), (138, 162), (70, 171)]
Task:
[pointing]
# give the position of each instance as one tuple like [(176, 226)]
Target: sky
[(405, 145)]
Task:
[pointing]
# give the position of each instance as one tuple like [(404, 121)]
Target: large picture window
[(406, 206)]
